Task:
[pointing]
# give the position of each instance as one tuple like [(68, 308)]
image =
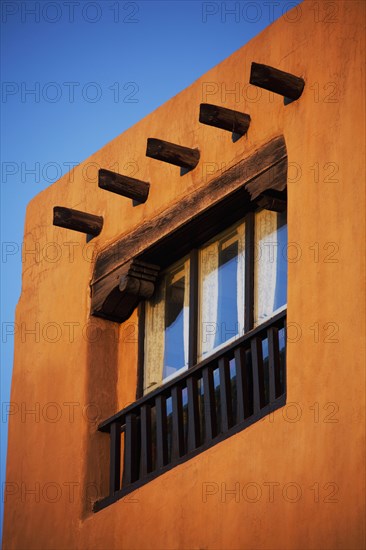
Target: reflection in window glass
[(166, 328), (175, 351), (221, 290), (270, 279)]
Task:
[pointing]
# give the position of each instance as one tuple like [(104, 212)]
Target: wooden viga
[(185, 157), (132, 188), (225, 119), (274, 80), (77, 220)]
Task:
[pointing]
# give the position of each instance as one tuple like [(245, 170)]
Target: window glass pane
[(270, 278), (221, 290), (166, 327), (176, 321)]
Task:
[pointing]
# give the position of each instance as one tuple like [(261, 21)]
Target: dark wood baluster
[(225, 394), (115, 458), (258, 375), (146, 447), (178, 427), (209, 403), (242, 389), (193, 414), (131, 454), (161, 432), (274, 364)]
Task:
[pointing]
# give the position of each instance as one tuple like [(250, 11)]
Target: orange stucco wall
[(299, 474)]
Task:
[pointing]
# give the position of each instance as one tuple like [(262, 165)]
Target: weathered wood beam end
[(178, 155), (131, 188), (276, 81), (226, 119), (77, 220)]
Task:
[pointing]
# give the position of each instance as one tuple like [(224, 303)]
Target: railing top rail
[(275, 321)]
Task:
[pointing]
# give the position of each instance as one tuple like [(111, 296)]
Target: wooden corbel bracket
[(116, 298), (273, 200)]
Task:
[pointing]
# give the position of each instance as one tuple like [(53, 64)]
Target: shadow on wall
[(102, 401)]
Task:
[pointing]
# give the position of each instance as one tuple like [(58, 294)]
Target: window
[(221, 290), (166, 342), (211, 289), (270, 252), (230, 284)]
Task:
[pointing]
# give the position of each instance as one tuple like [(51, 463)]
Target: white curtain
[(209, 291), (155, 332), (154, 339), (241, 278), (266, 248), (186, 313)]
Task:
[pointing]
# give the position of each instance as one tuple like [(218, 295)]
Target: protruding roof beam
[(276, 81), (123, 185), (77, 220), (226, 119), (172, 153)]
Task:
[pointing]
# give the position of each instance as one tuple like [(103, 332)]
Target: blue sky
[(75, 74)]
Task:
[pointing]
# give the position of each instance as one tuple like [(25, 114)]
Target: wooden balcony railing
[(216, 398)]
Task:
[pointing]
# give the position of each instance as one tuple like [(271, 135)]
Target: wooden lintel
[(264, 169), (276, 81), (178, 155), (226, 119), (77, 220), (190, 222), (123, 185)]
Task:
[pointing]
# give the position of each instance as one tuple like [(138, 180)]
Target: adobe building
[(158, 399)]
